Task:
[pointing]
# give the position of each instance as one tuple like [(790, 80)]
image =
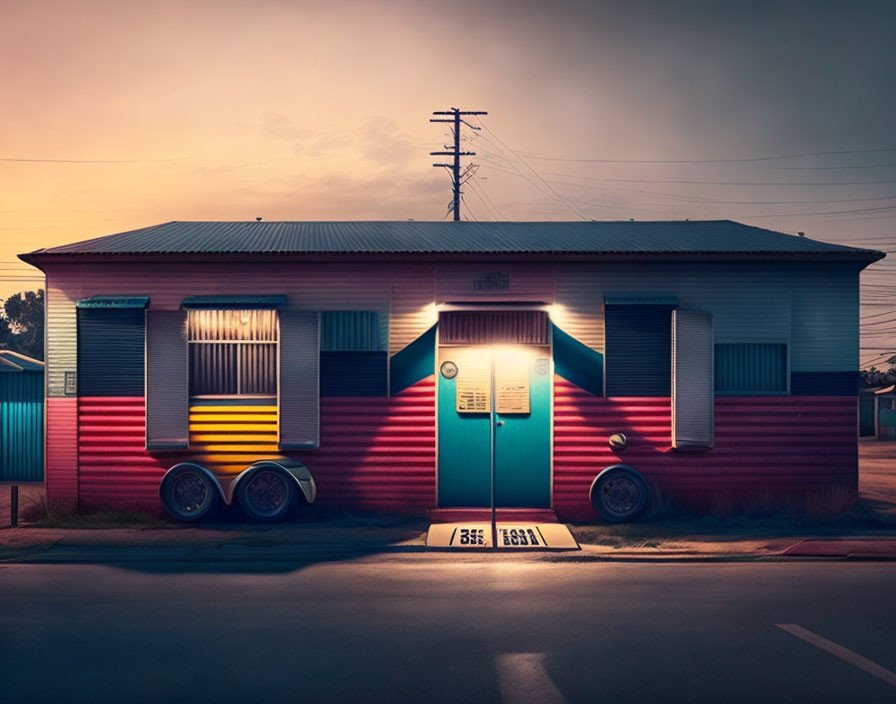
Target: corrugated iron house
[(374, 353), (21, 418)]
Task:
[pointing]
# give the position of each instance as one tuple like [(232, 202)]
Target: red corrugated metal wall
[(116, 471), (763, 445), (62, 451), (376, 453)]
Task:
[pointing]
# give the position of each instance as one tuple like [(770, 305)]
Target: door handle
[(499, 423)]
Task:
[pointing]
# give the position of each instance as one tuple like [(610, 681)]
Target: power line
[(554, 157), (516, 171), (723, 183), (563, 199), (480, 190), (456, 152), (482, 200), (831, 168)]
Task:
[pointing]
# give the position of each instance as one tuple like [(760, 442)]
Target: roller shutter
[(167, 402), (110, 351), (299, 381), (638, 350), (692, 380)]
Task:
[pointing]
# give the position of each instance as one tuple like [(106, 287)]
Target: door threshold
[(484, 515)]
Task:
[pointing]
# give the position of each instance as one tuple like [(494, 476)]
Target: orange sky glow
[(119, 115)]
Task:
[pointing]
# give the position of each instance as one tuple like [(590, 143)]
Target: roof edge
[(852, 255)]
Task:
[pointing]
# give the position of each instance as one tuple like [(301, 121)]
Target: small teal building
[(21, 418)]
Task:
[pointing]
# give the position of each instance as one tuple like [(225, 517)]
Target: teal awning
[(114, 302), (643, 299), (234, 302)]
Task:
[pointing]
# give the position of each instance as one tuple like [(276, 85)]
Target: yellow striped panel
[(227, 439)]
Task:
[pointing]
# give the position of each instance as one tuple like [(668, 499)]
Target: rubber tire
[(625, 479), (170, 503), (255, 512)]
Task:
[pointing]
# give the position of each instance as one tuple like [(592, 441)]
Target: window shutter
[(692, 380), (299, 381), (637, 350), (751, 368), (110, 351), (167, 404)]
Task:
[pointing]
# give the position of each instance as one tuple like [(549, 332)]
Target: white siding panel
[(63, 291), (579, 304), (413, 305)]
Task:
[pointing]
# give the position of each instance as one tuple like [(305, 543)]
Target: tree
[(880, 377), (22, 323)]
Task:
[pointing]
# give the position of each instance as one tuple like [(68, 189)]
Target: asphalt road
[(448, 628)]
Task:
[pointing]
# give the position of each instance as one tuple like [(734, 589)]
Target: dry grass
[(41, 513)]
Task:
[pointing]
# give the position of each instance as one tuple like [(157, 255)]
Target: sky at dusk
[(119, 115)]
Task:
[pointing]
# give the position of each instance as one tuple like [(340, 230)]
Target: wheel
[(267, 494), (620, 494), (188, 494)]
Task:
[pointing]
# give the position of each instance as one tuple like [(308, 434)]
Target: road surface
[(448, 628)]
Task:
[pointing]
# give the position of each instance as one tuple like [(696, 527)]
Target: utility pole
[(457, 179)]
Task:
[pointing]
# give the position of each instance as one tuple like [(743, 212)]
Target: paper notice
[(473, 390), (512, 385)]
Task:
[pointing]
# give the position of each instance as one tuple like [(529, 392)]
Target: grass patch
[(682, 525)]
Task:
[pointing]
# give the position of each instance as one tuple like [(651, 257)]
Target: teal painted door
[(522, 431)]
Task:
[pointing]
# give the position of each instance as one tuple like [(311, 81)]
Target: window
[(232, 352), (351, 362), (638, 349), (751, 368)]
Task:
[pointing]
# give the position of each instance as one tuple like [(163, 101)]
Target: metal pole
[(14, 505), (494, 420), (456, 165)]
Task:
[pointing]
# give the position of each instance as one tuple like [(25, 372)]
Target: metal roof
[(14, 362), (412, 237)]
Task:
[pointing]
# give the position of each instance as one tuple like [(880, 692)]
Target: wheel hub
[(621, 494), (266, 491), (190, 493)]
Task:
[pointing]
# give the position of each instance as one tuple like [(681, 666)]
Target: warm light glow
[(513, 354)]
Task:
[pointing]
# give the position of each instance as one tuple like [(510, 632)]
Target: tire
[(620, 494), (188, 494), (267, 494)]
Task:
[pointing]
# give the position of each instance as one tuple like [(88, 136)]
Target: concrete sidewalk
[(346, 539)]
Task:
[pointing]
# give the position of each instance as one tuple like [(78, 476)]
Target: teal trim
[(415, 362), (751, 368), (641, 299), (578, 363), (349, 330), (233, 302), (113, 302)]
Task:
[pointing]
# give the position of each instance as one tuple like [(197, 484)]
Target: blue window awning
[(114, 302), (233, 302)]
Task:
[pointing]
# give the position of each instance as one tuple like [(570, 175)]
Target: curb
[(118, 555)]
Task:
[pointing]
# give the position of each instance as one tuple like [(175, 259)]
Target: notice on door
[(512, 384), (473, 392)]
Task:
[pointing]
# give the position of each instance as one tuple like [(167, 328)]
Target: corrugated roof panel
[(708, 236)]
